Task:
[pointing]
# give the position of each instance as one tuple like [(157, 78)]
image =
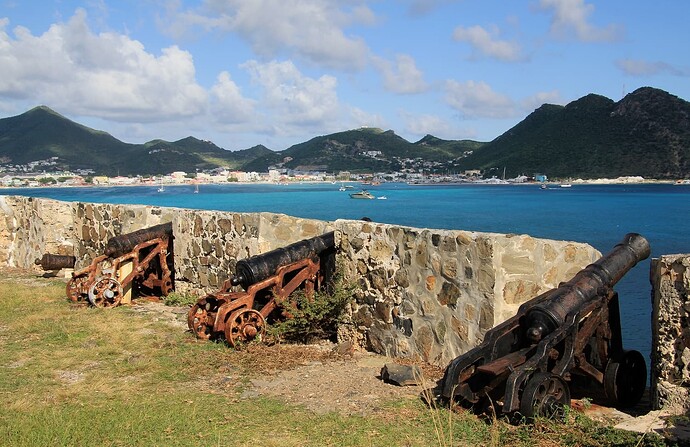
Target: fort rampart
[(421, 293)]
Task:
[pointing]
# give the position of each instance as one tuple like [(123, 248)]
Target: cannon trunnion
[(567, 338), (268, 280), (142, 259)]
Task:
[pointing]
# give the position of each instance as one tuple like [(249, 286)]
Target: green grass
[(79, 376)]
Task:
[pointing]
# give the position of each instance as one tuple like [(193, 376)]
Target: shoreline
[(551, 183)]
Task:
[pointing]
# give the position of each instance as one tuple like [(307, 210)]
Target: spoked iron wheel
[(545, 395), (243, 326), (77, 290), (625, 379), (105, 292), (202, 316)]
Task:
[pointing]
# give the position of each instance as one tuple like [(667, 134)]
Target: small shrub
[(313, 319), (180, 299)]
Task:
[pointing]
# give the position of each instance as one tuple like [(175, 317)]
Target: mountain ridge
[(646, 133)]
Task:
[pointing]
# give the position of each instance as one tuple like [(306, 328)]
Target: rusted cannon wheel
[(105, 292), (76, 288), (625, 379), (244, 325), (202, 316), (545, 395)]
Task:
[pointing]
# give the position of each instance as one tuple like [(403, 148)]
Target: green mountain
[(42, 134), (364, 150), (647, 133)]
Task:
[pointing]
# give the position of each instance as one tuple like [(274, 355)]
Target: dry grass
[(80, 376)]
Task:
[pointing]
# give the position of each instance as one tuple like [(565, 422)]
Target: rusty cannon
[(568, 338), (268, 280), (55, 262), (141, 259)]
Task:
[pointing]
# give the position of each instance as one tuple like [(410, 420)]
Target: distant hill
[(364, 150), (42, 133), (647, 133)]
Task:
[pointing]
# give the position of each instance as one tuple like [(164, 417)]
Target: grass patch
[(92, 377)]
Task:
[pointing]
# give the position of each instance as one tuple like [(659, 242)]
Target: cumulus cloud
[(537, 100), (298, 101), (401, 76), (313, 30), (107, 74), (228, 104), (486, 43), (478, 100), (571, 18), (645, 68), (424, 124)]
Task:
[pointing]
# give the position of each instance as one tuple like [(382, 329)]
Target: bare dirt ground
[(323, 377)]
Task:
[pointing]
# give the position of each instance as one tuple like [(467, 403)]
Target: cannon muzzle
[(124, 243), (548, 315)]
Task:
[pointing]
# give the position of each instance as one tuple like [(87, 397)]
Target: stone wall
[(670, 276), (31, 227), (432, 294), (421, 293)]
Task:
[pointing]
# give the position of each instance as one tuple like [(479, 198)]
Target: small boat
[(363, 194), (382, 197), (196, 189), (161, 188), (566, 185), (543, 186)]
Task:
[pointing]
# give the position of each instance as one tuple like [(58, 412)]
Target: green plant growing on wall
[(313, 319)]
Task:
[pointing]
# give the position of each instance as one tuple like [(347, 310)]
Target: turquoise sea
[(596, 214)]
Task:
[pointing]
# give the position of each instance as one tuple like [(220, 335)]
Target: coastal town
[(42, 173)]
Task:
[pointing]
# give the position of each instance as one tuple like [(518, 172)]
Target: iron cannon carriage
[(567, 338), (142, 259), (268, 280)]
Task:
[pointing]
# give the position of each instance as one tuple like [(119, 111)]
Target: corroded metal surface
[(257, 268), (240, 317), (56, 262), (567, 337), (148, 255)]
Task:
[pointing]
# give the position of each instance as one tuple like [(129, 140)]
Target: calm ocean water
[(596, 214)]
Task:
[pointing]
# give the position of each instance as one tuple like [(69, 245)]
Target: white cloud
[(537, 100), (228, 104), (401, 76), (295, 100), (360, 118), (478, 100), (487, 44), (313, 30), (424, 124), (644, 68), (571, 17), (110, 75)]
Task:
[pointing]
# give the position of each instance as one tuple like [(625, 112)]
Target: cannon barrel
[(124, 243), (259, 267), (56, 262), (545, 317)]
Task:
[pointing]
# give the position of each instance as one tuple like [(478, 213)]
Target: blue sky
[(280, 72)]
